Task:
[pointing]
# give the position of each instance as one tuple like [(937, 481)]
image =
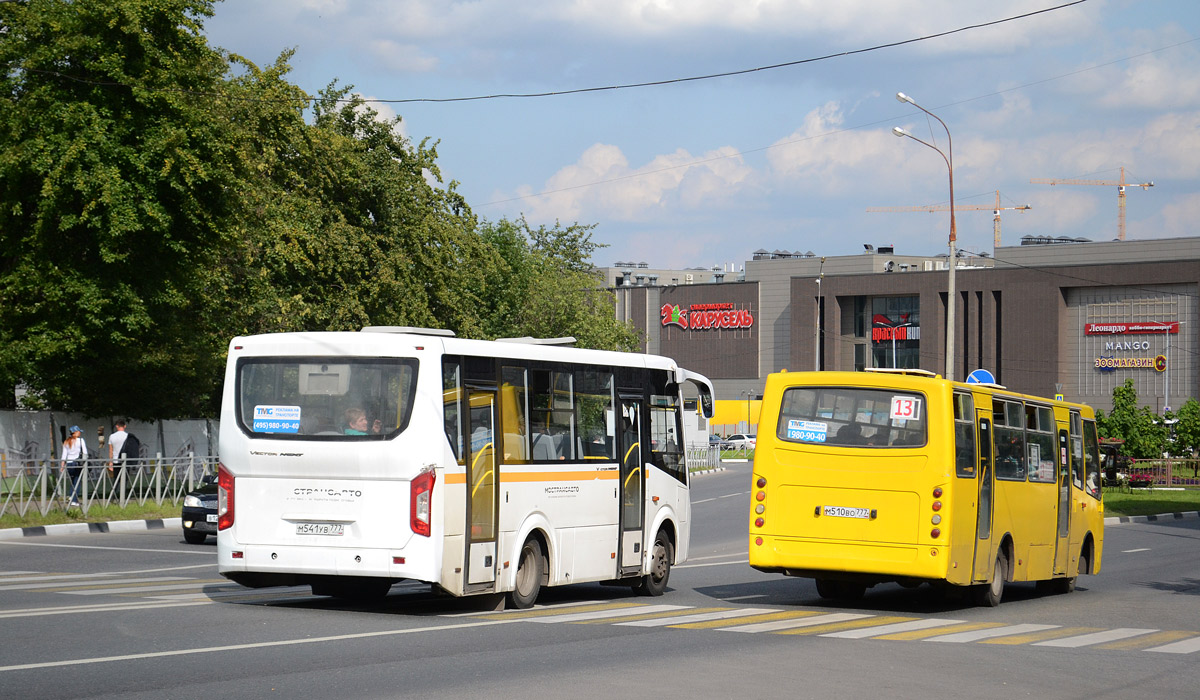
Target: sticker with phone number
[(807, 430), (906, 408)]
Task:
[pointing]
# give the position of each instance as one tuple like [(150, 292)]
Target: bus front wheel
[(661, 555), (529, 576), (989, 594)]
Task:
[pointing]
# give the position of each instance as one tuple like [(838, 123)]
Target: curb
[(13, 533), (1120, 520)]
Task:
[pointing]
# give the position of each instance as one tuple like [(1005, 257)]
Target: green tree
[(1187, 430), (1144, 434), (113, 180), (546, 286)]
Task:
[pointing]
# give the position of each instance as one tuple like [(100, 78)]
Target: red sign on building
[(1124, 328)]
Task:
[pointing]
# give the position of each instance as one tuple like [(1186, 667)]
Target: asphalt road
[(144, 615)]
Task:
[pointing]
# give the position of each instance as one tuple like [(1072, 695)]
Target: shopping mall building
[(1050, 316)]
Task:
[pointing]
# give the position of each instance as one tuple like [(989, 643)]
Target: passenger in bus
[(850, 434), (356, 423)]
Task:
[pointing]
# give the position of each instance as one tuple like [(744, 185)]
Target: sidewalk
[(1151, 518), (13, 533)]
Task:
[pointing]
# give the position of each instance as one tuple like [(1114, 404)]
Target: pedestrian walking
[(74, 459)]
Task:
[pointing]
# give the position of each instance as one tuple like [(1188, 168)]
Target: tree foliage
[(1144, 434), (159, 196), (113, 176), (546, 287)]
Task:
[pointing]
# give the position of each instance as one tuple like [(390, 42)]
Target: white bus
[(351, 461)]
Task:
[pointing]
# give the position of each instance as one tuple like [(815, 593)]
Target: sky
[(704, 172)]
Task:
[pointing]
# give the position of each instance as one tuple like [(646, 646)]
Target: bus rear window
[(852, 417), (342, 398)]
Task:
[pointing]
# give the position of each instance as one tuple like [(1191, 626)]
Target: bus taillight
[(421, 503), (224, 498)]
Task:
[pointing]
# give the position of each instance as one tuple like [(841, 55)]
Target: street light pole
[(950, 301)]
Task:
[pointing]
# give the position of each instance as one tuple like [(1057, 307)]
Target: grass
[(1151, 502), (96, 514)]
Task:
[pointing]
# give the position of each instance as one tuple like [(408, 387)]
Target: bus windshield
[(852, 417), (325, 398)]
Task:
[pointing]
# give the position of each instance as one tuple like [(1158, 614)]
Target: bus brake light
[(224, 498), (421, 503)]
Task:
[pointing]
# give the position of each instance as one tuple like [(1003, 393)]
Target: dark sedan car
[(200, 512)]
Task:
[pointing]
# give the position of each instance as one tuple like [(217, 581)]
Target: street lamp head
[(898, 131), (901, 97)]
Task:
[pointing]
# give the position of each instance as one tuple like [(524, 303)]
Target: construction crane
[(1119, 184), (963, 207)]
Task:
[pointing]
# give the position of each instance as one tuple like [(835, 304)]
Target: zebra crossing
[(845, 625), (172, 588)]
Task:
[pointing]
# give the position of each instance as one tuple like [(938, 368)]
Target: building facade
[(1046, 317)]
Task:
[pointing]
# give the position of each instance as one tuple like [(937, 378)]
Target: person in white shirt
[(116, 440), (74, 456)]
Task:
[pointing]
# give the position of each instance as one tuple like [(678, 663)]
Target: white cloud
[(602, 182), (400, 57), (1180, 216)]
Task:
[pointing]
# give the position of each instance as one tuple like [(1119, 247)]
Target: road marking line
[(696, 617), (867, 621), (1095, 637), (114, 607), (555, 612), (1139, 549), (1054, 633), (1185, 647), (744, 597), (1149, 640), (141, 589), (576, 604), (925, 634), (595, 615), (719, 563), (749, 619), (909, 626), (991, 631), (19, 543), (813, 619), (653, 615), (59, 585), (254, 645)]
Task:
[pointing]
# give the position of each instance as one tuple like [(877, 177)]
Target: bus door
[(633, 483), (984, 557), (481, 487), (1062, 540)]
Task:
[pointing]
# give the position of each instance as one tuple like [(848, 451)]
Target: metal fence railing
[(43, 485), (1168, 472), (702, 457)]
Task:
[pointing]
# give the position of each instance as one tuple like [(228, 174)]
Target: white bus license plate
[(319, 528), (844, 512)]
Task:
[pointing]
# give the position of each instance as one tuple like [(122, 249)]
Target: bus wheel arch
[(1087, 555), (531, 571), (989, 594)]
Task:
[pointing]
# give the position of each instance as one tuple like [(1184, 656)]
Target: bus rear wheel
[(989, 594), (661, 555), (529, 576)]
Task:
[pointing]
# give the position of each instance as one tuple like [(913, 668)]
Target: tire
[(529, 576), (193, 537), (661, 556), (989, 594)]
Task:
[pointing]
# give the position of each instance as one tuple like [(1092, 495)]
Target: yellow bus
[(902, 476)]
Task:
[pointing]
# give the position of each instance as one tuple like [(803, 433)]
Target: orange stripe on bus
[(607, 475)]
